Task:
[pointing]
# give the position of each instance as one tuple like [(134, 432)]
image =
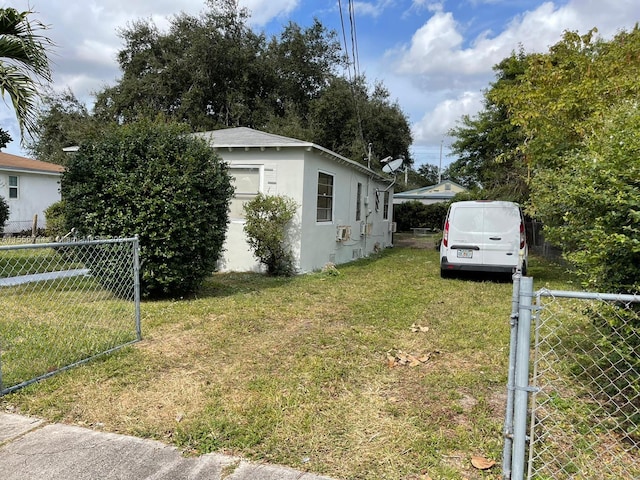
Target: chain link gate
[(63, 304), (573, 403)]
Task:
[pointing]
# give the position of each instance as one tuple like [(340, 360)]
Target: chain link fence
[(574, 400), (63, 304)]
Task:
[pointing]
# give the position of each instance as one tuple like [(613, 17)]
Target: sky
[(435, 57)]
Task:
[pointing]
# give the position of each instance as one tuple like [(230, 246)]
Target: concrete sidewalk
[(33, 449)]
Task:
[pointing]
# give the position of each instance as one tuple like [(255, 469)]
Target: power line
[(356, 63)]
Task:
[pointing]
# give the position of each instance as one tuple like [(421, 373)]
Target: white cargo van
[(483, 236)]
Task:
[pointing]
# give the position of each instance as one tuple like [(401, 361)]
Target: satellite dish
[(393, 165)]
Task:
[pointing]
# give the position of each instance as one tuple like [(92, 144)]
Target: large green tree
[(24, 64), (212, 71), (63, 121), (591, 206), (487, 145)]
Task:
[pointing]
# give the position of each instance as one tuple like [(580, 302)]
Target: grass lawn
[(380, 370)]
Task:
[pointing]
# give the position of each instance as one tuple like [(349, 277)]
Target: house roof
[(23, 164), (244, 137), (432, 191)]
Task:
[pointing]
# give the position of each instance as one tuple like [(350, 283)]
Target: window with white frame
[(324, 212), (385, 211), (13, 186), (247, 181)]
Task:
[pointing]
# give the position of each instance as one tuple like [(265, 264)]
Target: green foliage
[(591, 207), (415, 214), (347, 113), (5, 138), (212, 71), (267, 218), (487, 145), (56, 222), (23, 64), (4, 213), (63, 121), (153, 181)]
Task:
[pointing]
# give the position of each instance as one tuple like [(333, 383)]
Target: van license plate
[(465, 253)]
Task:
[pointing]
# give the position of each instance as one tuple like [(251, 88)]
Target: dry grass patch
[(295, 372)]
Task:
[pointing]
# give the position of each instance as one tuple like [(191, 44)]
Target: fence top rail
[(611, 297), (67, 244)]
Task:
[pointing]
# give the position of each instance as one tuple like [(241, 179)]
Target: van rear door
[(484, 234), (465, 235), (501, 236)]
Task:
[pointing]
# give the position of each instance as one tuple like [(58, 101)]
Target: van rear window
[(468, 219)]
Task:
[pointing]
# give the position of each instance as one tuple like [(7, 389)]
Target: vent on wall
[(366, 229), (343, 233)]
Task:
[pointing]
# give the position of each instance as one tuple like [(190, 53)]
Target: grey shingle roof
[(244, 137), (248, 137)]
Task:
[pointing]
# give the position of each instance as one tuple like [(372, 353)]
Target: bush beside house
[(4, 213), (154, 181), (267, 218)]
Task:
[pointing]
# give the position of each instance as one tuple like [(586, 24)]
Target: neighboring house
[(344, 209), (442, 192), (29, 187)]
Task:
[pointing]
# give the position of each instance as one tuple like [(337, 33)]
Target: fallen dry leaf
[(391, 361), (482, 463), (401, 358), (418, 328)]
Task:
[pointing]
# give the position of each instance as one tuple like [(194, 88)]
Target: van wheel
[(445, 273)]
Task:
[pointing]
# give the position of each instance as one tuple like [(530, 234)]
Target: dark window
[(359, 203), (325, 197), (13, 186)]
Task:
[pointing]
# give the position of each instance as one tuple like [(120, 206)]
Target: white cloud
[(435, 124), (442, 64), (263, 12)]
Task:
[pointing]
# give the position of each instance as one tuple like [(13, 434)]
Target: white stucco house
[(29, 187), (344, 208), (441, 192)]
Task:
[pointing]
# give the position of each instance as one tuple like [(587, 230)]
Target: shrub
[(4, 213), (154, 181), (267, 218), (54, 216)]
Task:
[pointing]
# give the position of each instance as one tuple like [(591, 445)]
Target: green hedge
[(155, 181), (414, 214)]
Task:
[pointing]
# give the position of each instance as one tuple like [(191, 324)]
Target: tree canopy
[(559, 133), (212, 71)]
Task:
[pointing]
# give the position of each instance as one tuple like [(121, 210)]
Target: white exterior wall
[(293, 172), (319, 239), (36, 192), (281, 171)]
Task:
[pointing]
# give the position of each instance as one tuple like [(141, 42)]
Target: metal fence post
[(136, 284), (521, 379), (508, 420)]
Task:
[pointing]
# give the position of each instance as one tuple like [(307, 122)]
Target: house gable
[(441, 192)]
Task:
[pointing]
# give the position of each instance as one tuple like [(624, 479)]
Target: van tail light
[(523, 237), (445, 236)]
